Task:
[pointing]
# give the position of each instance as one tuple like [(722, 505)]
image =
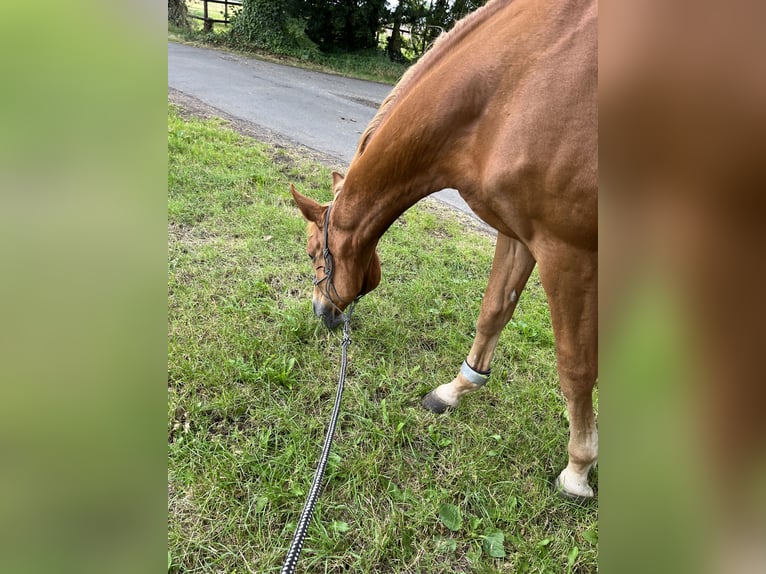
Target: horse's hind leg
[(570, 280), (510, 270)]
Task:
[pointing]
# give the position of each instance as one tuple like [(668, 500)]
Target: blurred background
[(82, 295), (681, 144)]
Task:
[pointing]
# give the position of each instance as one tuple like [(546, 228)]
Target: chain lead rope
[(316, 485)]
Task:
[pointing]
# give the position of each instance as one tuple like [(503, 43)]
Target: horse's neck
[(397, 170), (419, 144)]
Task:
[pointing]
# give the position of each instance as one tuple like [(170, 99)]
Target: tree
[(178, 14), (347, 25), (428, 20), (439, 19), (394, 43), (262, 23), (425, 20), (461, 8)]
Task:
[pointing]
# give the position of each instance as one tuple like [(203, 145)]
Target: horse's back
[(535, 147)]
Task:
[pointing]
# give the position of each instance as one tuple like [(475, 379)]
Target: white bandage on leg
[(476, 377)]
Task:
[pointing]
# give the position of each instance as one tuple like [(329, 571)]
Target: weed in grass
[(252, 375)]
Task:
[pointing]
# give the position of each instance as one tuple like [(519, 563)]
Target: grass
[(252, 375)]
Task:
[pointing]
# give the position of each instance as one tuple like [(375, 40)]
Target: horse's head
[(342, 270)]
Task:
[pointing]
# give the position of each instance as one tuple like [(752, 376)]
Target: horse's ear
[(310, 209), (337, 181)]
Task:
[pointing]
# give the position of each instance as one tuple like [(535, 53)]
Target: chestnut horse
[(503, 109)]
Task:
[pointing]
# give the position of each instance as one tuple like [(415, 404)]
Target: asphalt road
[(321, 111)]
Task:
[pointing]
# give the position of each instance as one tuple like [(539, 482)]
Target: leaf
[(446, 546), (493, 543), (450, 516), (340, 527), (394, 491), (260, 503), (544, 542), (474, 523), (591, 536), (170, 561), (474, 556), (571, 557)]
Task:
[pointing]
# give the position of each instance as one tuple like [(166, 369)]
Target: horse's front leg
[(510, 270)]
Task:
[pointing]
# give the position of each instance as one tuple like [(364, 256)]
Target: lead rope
[(316, 485)]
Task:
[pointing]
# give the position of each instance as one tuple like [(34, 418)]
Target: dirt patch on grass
[(188, 234)]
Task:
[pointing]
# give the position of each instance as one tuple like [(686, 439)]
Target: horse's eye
[(312, 257)]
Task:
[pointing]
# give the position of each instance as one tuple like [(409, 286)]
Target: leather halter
[(326, 255), (328, 265), (329, 268)]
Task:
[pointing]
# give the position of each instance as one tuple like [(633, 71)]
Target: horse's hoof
[(581, 493), (434, 403)]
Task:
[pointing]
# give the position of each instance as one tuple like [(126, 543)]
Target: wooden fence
[(208, 19)]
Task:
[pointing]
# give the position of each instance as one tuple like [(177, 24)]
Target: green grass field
[(252, 376)]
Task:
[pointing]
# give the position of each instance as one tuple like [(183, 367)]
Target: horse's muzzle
[(331, 317)]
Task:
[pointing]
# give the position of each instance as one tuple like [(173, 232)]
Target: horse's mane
[(440, 47)]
